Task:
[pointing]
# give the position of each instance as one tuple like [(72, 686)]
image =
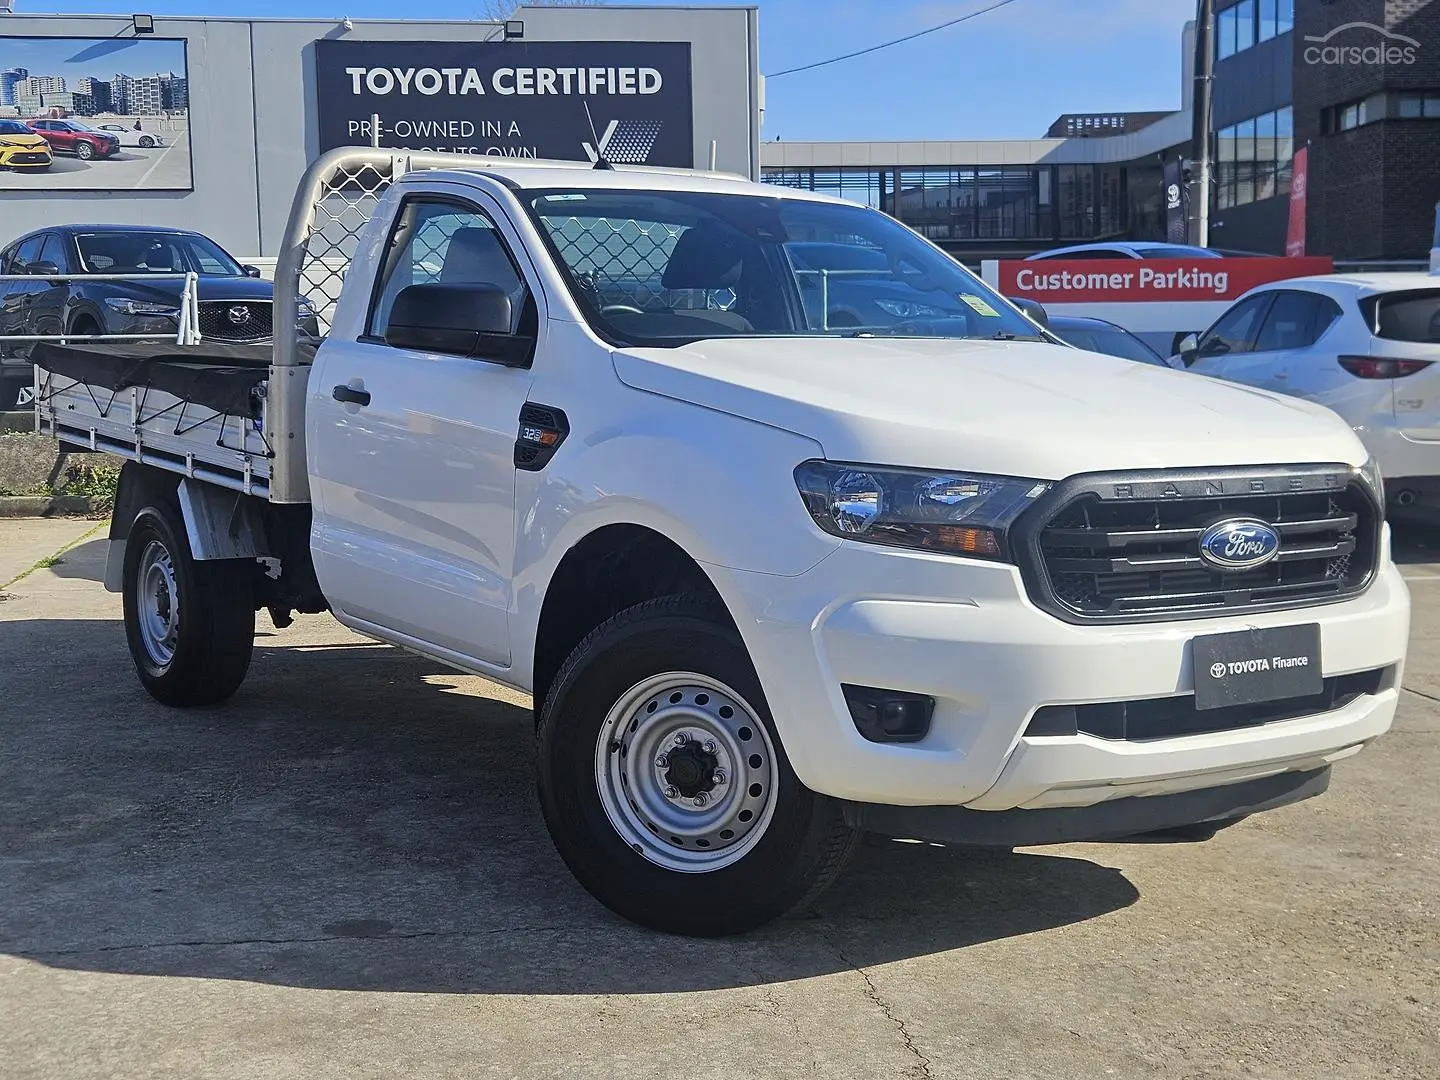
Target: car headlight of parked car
[(954, 513), (906, 309), (126, 306)]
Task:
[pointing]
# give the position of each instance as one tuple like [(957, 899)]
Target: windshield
[(153, 253), (14, 127), (664, 268), (1101, 339)]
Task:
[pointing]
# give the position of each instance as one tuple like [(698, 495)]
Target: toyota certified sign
[(511, 98)]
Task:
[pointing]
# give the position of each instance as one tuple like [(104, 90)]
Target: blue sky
[(1006, 74), (99, 59)]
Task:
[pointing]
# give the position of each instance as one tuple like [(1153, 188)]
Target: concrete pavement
[(343, 873)]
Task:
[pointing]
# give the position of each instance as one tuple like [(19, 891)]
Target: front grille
[(1127, 548), (1173, 717), (222, 320), (30, 159)]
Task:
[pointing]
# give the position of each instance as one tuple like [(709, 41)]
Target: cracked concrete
[(342, 873)]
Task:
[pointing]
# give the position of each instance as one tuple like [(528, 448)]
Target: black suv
[(234, 305)]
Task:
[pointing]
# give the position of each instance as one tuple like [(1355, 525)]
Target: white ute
[(773, 582)]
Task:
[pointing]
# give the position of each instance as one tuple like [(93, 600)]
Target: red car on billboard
[(70, 137)]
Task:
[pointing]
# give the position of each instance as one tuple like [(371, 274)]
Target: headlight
[(956, 513), (904, 309), (1370, 473), (126, 306)]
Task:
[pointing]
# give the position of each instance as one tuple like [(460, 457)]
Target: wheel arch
[(610, 569)]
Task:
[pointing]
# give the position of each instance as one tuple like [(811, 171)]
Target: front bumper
[(964, 633)]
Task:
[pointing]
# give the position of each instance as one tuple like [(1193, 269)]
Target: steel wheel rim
[(646, 776), (157, 603)]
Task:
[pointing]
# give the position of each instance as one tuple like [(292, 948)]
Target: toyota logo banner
[(511, 98), (1176, 203)]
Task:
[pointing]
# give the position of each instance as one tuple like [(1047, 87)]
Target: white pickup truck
[(793, 528)]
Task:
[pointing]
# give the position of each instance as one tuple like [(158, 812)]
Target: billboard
[(627, 101), (94, 114)]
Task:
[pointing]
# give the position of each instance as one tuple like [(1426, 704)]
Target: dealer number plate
[(1257, 665)]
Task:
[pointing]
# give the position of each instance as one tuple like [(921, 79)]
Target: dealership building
[(1354, 83), (236, 108)]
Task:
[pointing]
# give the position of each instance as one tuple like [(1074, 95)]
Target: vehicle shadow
[(359, 819), (1412, 543), (84, 562)]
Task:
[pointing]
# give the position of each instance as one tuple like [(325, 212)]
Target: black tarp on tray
[(216, 375)]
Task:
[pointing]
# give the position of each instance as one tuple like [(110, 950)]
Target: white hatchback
[(1364, 345)]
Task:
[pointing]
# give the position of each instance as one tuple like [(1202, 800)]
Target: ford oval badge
[(1239, 544)]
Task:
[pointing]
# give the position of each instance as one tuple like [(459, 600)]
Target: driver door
[(411, 453)]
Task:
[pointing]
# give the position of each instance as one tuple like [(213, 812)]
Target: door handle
[(1281, 376), (350, 395)]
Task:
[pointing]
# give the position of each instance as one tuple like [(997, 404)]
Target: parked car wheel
[(147, 141), (84, 151), (664, 784), (190, 625)]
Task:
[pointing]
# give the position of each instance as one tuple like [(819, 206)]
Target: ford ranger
[(774, 579)]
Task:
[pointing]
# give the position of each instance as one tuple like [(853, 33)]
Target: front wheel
[(190, 625), (84, 151), (664, 784), (146, 141)]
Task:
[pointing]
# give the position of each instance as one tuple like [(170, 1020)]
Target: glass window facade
[(1253, 159), (985, 203), (1250, 22)]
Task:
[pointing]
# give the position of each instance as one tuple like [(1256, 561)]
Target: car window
[(1412, 315), (28, 252), (666, 268), (53, 251), (1177, 252), (1235, 330), (1290, 322), (1112, 342), (437, 242), (1096, 253)]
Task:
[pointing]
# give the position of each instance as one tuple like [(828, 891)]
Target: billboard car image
[(114, 112)]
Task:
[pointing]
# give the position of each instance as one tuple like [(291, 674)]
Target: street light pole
[(1200, 151)]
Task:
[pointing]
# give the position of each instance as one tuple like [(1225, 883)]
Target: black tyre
[(190, 625), (146, 141), (84, 151), (664, 784)]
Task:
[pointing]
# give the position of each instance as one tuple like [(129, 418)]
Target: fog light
[(889, 715)]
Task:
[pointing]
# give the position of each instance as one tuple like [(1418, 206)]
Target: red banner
[(1299, 185), (1078, 281)]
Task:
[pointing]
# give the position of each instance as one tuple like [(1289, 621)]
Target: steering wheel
[(621, 309)]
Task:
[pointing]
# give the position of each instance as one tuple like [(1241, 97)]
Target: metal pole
[(1204, 83), (714, 153), (375, 130)]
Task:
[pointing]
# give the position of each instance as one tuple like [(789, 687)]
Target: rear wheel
[(190, 625), (664, 784), (84, 151)]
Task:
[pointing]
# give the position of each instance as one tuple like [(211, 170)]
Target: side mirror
[(251, 271), (461, 319), (1188, 347), (42, 269), (1032, 308)]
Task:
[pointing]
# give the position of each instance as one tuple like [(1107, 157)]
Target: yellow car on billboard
[(21, 148)]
